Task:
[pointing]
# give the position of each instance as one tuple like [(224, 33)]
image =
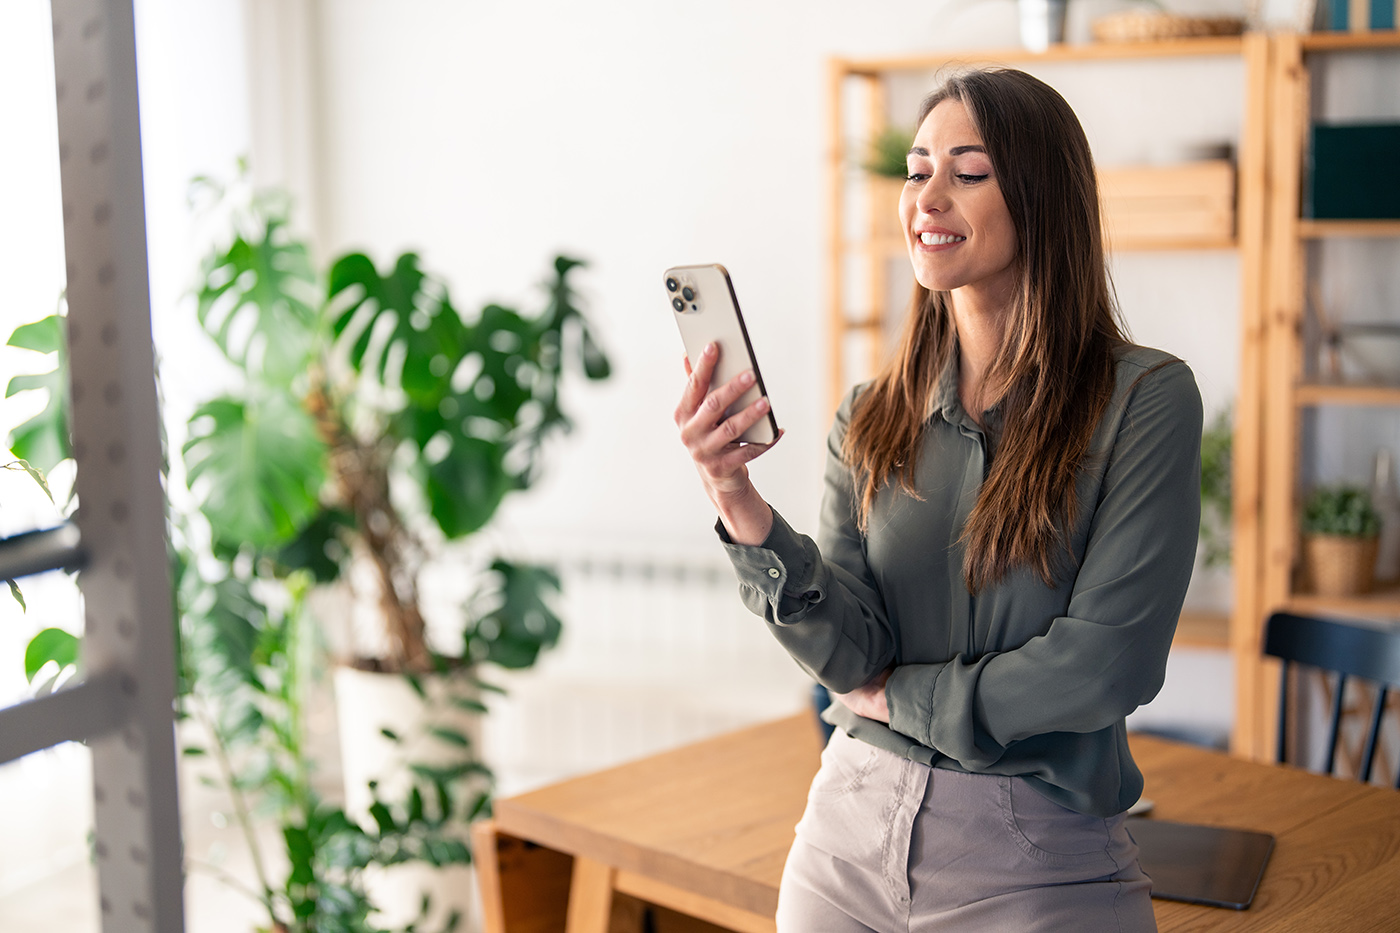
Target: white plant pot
[(366, 704)]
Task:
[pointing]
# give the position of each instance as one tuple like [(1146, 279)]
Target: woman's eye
[(916, 177), (972, 179)]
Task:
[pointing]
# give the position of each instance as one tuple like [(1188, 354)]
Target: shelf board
[(1384, 601), (1315, 393), (1322, 229), (1202, 630), (1088, 51), (1351, 41)]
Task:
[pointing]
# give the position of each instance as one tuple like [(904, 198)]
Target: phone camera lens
[(678, 304), (688, 293), (672, 285)]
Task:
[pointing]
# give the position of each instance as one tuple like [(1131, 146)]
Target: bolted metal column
[(128, 642)]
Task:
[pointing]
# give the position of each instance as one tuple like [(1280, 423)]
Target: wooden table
[(702, 832)]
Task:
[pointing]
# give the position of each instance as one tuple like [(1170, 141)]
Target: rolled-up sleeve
[(821, 603), (1107, 654)]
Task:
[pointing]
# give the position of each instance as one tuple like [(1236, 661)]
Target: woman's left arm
[(1107, 655)]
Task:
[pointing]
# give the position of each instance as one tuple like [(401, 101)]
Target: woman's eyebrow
[(956, 150)]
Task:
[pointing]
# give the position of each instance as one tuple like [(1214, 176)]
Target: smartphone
[(707, 311)]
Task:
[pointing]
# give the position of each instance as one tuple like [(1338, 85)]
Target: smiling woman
[(1006, 536)]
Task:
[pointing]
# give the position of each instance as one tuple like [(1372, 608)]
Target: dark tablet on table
[(1211, 865)]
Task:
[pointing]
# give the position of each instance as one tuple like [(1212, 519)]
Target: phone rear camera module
[(672, 285), (678, 304), (688, 293)]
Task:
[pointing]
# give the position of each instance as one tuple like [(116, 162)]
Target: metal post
[(128, 640)]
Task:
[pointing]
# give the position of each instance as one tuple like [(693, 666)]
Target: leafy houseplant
[(1216, 500), (1341, 530), (889, 153), (38, 446), (886, 164), (371, 424)]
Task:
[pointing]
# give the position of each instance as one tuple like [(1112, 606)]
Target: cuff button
[(774, 573)]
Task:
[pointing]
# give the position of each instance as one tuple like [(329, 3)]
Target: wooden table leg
[(488, 876), (590, 896)]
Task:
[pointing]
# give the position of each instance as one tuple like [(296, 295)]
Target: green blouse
[(1023, 679)]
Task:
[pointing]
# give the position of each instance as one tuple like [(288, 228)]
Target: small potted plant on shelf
[(887, 165), (1340, 535)]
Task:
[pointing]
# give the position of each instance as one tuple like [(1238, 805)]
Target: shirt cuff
[(909, 697), (785, 571)]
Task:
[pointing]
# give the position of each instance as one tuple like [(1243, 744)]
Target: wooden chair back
[(1350, 649)]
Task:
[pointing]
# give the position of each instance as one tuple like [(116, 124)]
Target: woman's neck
[(981, 324)]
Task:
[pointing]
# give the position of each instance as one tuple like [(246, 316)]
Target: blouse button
[(773, 572)]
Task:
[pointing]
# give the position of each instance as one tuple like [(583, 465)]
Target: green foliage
[(259, 465), (38, 445), (512, 620), (52, 644), (1216, 503), (378, 382), (349, 384), (889, 152), (246, 668), (42, 441), (258, 301), (1343, 510)]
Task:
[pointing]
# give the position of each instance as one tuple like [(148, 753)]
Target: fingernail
[(711, 349), (763, 404), (747, 378)]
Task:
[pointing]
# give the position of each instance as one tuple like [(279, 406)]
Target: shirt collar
[(949, 407)]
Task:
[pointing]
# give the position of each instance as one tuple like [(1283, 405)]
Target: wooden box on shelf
[(1191, 205)]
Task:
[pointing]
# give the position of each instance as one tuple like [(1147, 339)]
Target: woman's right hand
[(713, 442)]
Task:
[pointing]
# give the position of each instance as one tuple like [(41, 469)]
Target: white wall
[(643, 134)]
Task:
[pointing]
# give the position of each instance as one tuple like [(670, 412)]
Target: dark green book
[(1354, 172)]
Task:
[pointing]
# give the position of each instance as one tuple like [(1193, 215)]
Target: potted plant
[(1340, 535), (1216, 501), (887, 164), (371, 425)]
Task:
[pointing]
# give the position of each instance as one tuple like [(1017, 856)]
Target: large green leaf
[(513, 619), (466, 487), (52, 644), (258, 466), (405, 312), (261, 297), (319, 548), (43, 440)]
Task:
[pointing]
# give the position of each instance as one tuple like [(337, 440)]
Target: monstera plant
[(373, 422), (369, 426)]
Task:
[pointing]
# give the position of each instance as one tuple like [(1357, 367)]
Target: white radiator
[(656, 652)]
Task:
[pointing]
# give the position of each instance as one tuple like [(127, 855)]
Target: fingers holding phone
[(711, 424)]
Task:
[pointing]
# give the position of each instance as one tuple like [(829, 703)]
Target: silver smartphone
[(706, 310)]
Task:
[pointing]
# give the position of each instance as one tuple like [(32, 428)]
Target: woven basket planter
[(1143, 26), (1340, 566)]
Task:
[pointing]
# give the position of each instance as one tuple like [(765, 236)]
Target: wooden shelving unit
[(1275, 357)]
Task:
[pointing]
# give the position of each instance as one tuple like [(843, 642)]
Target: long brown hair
[(1053, 374)]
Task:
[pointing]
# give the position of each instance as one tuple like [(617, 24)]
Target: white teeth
[(938, 239)]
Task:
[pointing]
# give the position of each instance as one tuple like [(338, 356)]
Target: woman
[(1006, 536)]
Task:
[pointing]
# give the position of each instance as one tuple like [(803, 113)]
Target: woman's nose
[(933, 195)]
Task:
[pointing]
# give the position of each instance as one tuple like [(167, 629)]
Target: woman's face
[(956, 224)]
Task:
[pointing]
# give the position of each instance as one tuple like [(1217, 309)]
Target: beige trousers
[(887, 844)]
